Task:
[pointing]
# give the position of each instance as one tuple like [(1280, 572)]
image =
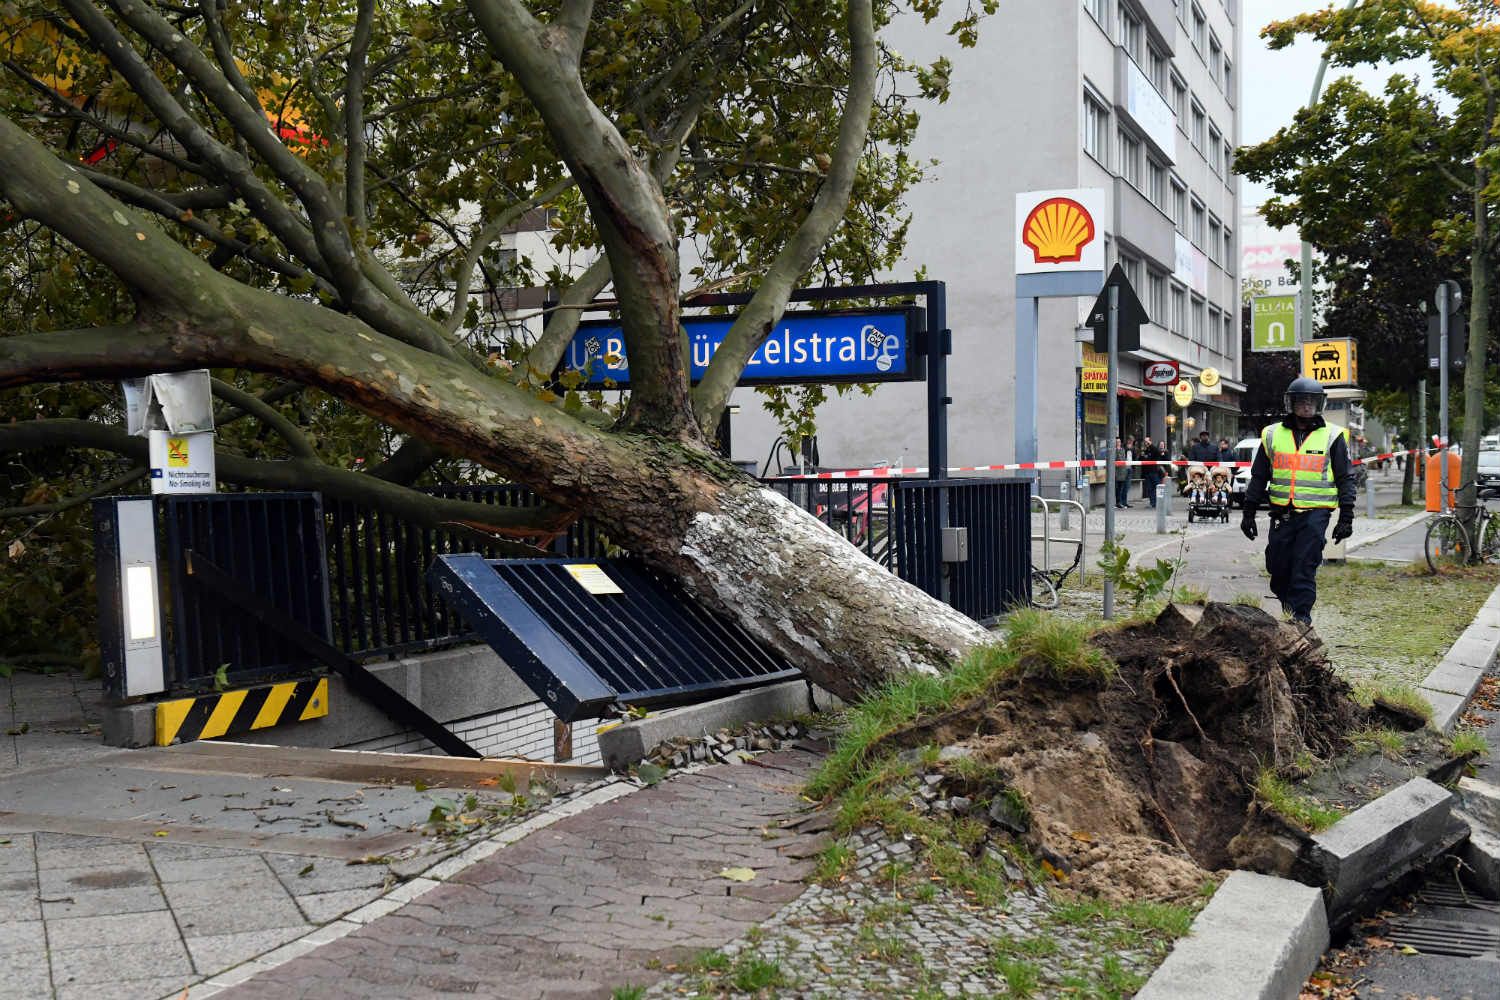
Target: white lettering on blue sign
[(852, 347)]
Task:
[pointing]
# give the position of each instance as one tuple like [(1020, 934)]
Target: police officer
[(1302, 472)]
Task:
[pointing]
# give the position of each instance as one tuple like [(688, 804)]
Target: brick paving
[(588, 904)]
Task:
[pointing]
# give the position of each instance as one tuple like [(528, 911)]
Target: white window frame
[(1099, 11), (1200, 125), (1199, 213), (1095, 127), (1131, 153)]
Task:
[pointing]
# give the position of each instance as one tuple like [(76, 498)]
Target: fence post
[(1062, 494)]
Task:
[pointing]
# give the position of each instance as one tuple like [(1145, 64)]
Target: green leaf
[(221, 677), (650, 773)]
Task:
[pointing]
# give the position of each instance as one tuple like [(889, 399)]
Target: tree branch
[(413, 458), (355, 147), (486, 235), (68, 503), (828, 208), (219, 39), (573, 19), (266, 414), (558, 333), (426, 511)]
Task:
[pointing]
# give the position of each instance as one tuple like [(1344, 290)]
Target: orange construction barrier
[(1434, 481)]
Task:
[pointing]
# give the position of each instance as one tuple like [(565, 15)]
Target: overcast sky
[(1273, 85)]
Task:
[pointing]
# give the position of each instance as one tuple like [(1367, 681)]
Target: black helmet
[(1304, 387)]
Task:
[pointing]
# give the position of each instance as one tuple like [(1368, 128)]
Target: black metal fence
[(897, 523), (270, 542), (382, 603)]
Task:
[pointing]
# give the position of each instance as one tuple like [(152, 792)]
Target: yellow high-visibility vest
[(1300, 477)]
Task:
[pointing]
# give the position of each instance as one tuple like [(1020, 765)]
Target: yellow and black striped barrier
[(230, 712)]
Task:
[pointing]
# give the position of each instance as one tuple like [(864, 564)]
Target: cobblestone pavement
[(593, 902), (865, 939)]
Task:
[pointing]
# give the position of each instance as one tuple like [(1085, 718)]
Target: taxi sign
[(1182, 393), (1331, 362)]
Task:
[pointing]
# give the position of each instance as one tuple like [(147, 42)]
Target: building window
[(1227, 347), (1095, 129), (1200, 126), (1215, 151), (1156, 184), (1229, 78), (1132, 35), (1179, 204), (1215, 240), (1198, 332), (1228, 247), (1180, 101), (1211, 335), (1228, 164), (1158, 70), (1099, 9), (1134, 270), (1200, 28), (1179, 311), (1156, 297), (1130, 158), (1197, 233), (1215, 60)]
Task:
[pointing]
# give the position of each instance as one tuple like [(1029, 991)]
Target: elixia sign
[(876, 345)]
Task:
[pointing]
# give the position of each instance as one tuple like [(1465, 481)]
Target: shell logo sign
[(1059, 231)]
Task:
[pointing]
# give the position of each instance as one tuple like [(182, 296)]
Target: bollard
[(1161, 508), (1062, 494), (1369, 494), (1165, 503)]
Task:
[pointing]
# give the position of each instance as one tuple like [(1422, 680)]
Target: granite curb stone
[(1259, 938)]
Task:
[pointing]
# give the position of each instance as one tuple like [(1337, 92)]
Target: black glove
[(1247, 525), (1344, 528)]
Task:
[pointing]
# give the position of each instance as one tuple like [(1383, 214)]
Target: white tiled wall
[(522, 731)]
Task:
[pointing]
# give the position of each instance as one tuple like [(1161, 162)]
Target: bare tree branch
[(558, 333), (77, 500), (224, 53)]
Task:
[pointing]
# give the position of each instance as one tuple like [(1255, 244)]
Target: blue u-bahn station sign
[(876, 345)]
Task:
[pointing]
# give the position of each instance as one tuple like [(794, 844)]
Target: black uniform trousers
[(1294, 550)]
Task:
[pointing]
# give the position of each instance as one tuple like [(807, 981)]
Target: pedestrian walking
[(1226, 453), (1301, 473), (1151, 475)]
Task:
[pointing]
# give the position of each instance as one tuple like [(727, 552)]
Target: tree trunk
[(1474, 373)]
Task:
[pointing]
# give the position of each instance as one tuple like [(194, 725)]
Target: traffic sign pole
[(1111, 434), (1448, 294)]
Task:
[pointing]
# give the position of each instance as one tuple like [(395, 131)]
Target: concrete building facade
[(1137, 97)]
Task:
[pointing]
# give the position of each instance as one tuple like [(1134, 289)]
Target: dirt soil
[(1135, 789)]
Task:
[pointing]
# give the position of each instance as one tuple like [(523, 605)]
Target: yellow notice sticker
[(593, 579)]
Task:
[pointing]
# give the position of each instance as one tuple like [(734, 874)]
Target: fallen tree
[(256, 228)]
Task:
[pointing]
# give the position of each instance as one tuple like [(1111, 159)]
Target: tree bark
[(1474, 373)]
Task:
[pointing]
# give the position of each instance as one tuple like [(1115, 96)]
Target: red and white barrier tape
[(1083, 463)]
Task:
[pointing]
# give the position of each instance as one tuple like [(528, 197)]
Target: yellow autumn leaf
[(1407, 949), (159, 833), (737, 874)]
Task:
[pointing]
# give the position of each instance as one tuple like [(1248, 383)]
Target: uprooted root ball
[(1137, 784)]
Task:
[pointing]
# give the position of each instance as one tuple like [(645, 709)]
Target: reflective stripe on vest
[(1300, 477)]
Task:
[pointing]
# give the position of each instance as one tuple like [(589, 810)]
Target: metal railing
[(1062, 508), (377, 567), (896, 522)]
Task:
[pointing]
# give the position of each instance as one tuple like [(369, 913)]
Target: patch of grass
[(752, 973), (1392, 626), (1247, 600), (628, 993), (1370, 740), (1189, 594), (925, 893), (1401, 695), (1039, 945), (1279, 796), (1057, 649), (1466, 741), (883, 947), (882, 913), (1021, 977), (1119, 979), (710, 961), (833, 861)]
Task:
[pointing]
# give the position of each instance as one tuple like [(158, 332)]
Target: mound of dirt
[(1136, 788)]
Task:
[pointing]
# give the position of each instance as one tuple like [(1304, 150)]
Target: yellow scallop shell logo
[(1057, 230)]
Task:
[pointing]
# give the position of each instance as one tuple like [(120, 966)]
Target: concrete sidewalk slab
[(1257, 939)]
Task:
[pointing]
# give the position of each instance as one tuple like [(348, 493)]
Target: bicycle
[(1045, 583), (1448, 543)]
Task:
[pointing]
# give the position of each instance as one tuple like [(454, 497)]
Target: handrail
[(1048, 504)]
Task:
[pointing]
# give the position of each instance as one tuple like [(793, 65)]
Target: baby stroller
[(1208, 498)]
